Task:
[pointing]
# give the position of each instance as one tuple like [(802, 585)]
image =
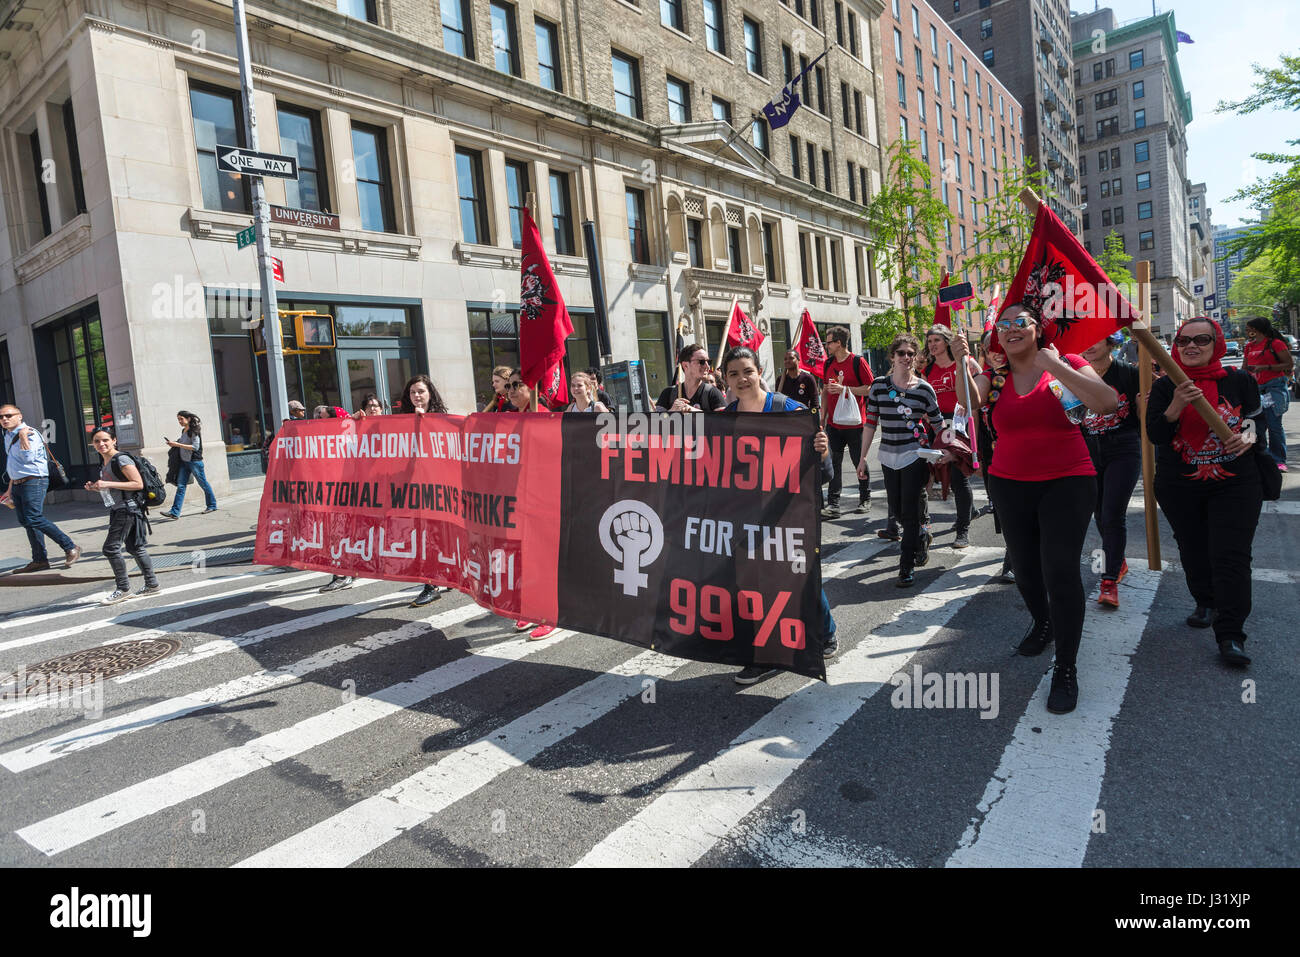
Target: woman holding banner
[(1209, 489), (521, 400), (1042, 483), (744, 378), (420, 396), (942, 372)]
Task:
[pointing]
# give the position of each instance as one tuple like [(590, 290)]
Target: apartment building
[(418, 131)]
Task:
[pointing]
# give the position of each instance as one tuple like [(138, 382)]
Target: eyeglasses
[(1020, 322), (515, 385), (703, 362), (904, 355), (1201, 340)]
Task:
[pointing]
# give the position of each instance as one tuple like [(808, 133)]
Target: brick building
[(418, 129), (966, 123)]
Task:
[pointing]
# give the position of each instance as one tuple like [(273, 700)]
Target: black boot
[(1036, 639), (1201, 618), (1230, 651), (1065, 689)]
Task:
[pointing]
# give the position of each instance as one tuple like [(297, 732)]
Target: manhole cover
[(103, 661)]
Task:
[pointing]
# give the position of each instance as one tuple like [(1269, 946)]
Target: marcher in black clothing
[(1209, 489), (692, 393), (128, 528), (1115, 444), (795, 383)]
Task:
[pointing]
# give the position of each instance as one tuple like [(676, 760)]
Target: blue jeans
[(29, 503), (828, 623), (183, 478), (1273, 416)]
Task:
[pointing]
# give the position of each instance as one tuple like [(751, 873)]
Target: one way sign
[(234, 159)]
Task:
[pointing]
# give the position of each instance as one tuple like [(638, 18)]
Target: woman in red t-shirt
[(1042, 483), (1270, 362), (941, 371)]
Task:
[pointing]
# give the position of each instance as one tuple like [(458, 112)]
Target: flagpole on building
[(1148, 451), (1142, 333)]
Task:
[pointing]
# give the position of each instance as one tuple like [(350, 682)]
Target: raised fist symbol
[(631, 534)]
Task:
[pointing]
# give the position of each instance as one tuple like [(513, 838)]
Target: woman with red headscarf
[(1209, 489)]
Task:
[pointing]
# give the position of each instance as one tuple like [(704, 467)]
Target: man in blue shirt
[(29, 479)]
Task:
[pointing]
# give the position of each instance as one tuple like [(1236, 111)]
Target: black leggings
[(841, 439), (1118, 468), (1045, 524), (906, 489), (1214, 525)]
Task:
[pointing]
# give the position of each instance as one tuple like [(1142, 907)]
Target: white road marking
[(78, 825), (683, 824), (1037, 810), (88, 736)]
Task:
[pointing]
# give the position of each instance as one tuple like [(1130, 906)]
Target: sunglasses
[(904, 355), (703, 362), (515, 385), (1020, 322), (8, 415), (1201, 340)]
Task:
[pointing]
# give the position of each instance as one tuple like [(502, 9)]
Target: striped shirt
[(897, 414)]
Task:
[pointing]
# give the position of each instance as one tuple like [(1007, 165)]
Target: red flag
[(1071, 296), (544, 321), (991, 314), (741, 330), (942, 313), (553, 388), (812, 353)]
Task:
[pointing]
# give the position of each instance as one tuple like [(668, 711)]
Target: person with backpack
[(190, 446), (122, 486), (846, 375), (28, 464), (1269, 360)]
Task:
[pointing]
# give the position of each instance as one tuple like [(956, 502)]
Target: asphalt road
[(294, 727)]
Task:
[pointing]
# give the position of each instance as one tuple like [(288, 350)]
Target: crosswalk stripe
[(85, 822), (71, 742), (1037, 810), (22, 705), (36, 617), (351, 834), (97, 623), (683, 824)]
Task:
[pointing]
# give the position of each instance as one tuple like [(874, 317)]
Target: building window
[(472, 197), (920, 104), (759, 135), (359, 9), (654, 347), (862, 185), (787, 62), (374, 190), (300, 134), (1139, 89), (902, 91), (721, 109), (6, 375), (1114, 158), (898, 46), (1144, 181), (1104, 99), (457, 32), (857, 113), (753, 47), (1109, 127), (679, 100), (517, 188), (837, 275), (217, 121), (853, 184), (1135, 60), (986, 29), (934, 40), (548, 58), (987, 57), (805, 276), (812, 164), (1139, 119), (916, 22), (1144, 210), (1142, 151), (769, 250), (505, 42), (794, 158), (853, 34), (714, 29), (38, 166), (74, 158), (1105, 218), (1117, 187), (925, 146), (695, 242), (636, 226), (821, 91), (627, 85), (828, 178), (733, 249), (919, 72), (670, 14), (1146, 241), (562, 214), (1105, 187), (1119, 215), (1087, 224)]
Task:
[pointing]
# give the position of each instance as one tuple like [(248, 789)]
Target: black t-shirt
[(706, 397), (1178, 463), (802, 388), (1123, 422)]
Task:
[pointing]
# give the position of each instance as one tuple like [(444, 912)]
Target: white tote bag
[(847, 412)]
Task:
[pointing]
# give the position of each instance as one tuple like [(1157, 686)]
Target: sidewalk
[(224, 537)]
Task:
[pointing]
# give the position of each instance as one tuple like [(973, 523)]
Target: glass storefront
[(75, 389)]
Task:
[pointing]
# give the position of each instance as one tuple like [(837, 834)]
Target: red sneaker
[(522, 625), (1123, 570), (1109, 594), (540, 632)]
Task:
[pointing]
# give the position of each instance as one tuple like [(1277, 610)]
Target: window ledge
[(497, 257), (223, 227), (834, 298), (778, 289), (630, 5), (672, 29), (873, 303), (58, 247), (646, 272)]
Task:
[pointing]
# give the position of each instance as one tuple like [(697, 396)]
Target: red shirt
[(850, 366), (944, 383), (1264, 353), (1036, 441)]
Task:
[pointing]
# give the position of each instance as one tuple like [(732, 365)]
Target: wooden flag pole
[(1148, 450), (1142, 333), (722, 344), (530, 200)]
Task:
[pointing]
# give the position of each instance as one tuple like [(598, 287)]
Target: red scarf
[(1194, 429)]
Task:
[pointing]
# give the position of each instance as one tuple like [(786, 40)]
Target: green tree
[(907, 221), (1005, 224), (1114, 261), (1262, 283)]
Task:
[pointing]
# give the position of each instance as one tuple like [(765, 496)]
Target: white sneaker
[(149, 590), (116, 596)]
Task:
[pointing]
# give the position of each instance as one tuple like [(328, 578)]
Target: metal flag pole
[(262, 228)]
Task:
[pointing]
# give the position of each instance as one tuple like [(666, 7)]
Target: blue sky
[(1229, 36)]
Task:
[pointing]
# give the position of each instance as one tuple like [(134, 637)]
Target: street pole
[(262, 231)]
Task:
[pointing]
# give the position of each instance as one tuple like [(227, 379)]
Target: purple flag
[(1184, 38)]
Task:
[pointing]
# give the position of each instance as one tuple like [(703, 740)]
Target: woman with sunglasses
[(692, 393), (1210, 489), (906, 410), (1115, 442), (1043, 484), (744, 377), (943, 373)]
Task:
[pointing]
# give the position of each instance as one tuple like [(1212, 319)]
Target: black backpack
[(154, 492)]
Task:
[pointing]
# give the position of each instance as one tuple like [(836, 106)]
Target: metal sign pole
[(262, 224)]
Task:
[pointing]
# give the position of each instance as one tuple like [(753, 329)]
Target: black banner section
[(695, 535)]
